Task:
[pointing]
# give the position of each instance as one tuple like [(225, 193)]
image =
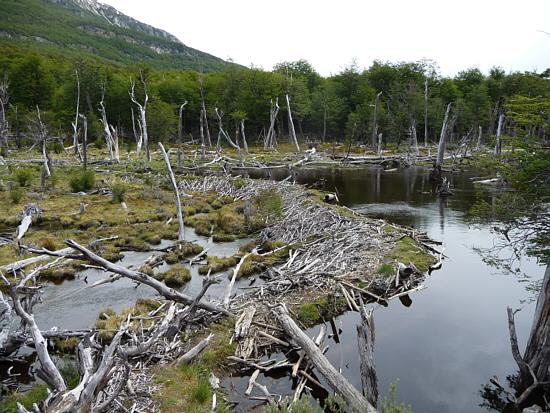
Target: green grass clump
[(200, 392), (23, 177), (16, 195), (182, 249), (118, 192), (66, 345), (315, 312), (83, 181), (222, 237), (176, 276), (35, 394), (386, 269), (217, 264), (406, 250)]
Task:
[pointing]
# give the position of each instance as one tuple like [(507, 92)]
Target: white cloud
[(329, 34)]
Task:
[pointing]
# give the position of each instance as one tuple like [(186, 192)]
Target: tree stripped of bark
[(179, 214), (442, 139), (142, 108), (270, 140), (374, 120), (77, 115), (111, 139), (180, 136), (291, 130), (498, 143), (204, 113)]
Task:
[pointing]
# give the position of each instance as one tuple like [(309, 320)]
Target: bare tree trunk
[(379, 151), (4, 99), (324, 124), (202, 133), (374, 125), (414, 138), (291, 130), (365, 344), (270, 139), (441, 146), (337, 381), (204, 113), (137, 137), (498, 144), (179, 214), (112, 146), (426, 112), (245, 144), (142, 114), (180, 135), (85, 140), (479, 132), (75, 123)]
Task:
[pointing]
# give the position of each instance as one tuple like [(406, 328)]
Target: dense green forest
[(324, 108), (79, 28)]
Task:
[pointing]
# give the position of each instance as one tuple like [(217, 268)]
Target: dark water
[(454, 337)]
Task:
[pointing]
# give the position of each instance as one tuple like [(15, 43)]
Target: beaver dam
[(180, 295)]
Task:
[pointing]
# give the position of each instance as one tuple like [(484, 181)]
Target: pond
[(454, 336)]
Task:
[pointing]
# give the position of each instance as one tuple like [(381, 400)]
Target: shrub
[(119, 191), (82, 182), (23, 177), (16, 195)]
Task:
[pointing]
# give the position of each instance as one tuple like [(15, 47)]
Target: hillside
[(86, 27)]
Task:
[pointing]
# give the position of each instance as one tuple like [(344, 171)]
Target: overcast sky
[(330, 34)]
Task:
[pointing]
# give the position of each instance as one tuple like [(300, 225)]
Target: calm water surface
[(454, 337)]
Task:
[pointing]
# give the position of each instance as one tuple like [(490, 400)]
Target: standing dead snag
[(75, 123), (243, 135), (291, 131), (222, 132), (374, 125), (179, 214), (142, 108), (85, 140), (270, 139), (42, 137), (4, 99), (180, 135), (498, 144), (111, 137), (204, 117), (442, 137), (426, 113), (337, 381)]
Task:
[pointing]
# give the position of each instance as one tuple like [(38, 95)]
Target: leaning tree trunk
[(179, 214), (374, 125), (498, 144), (291, 130), (245, 144), (442, 136)]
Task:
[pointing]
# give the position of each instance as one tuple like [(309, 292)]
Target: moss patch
[(176, 276), (217, 264), (315, 312), (406, 250), (35, 394)]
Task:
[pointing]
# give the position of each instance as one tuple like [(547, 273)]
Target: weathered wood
[(142, 108), (365, 344), (498, 143), (374, 120), (179, 214), (291, 130), (195, 351), (337, 381), (229, 287), (160, 287), (180, 135), (17, 265), (426, 112), (442, 139)]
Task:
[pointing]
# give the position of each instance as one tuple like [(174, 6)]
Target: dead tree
[(180, 135), (110, 138), (202, 135), (379, 149), (498, 143), (137, 136), (85, 140), (179, 214), (414, 140), (426, 112), (337, 381), (75, 123), (291, 130), (442, 139), (142, 108), (374, 116), (245, 144), (222, 132), (4, 100), (43, 138), (270, 140), (479, 137), (365, 345), (204, 113)]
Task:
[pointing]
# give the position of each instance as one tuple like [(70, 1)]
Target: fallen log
[(365, 344), (162, 289), (337, 381)]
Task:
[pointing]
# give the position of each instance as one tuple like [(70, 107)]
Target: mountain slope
[(86, 27)]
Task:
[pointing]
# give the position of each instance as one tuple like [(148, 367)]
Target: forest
[(405, 96)]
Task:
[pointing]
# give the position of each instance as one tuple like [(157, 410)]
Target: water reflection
[(445, 346)]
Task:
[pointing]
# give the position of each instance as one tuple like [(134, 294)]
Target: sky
[(332, 34)]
